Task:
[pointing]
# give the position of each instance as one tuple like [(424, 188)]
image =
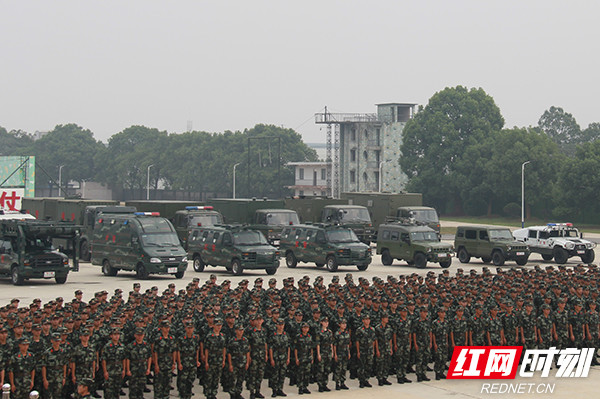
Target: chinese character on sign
[(572, 362), (485, 362), (9, 200)]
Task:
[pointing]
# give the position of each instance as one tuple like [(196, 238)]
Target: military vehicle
[(413, 243), (491, 244), (420, 215), (322, 244), (354, 216), (26, 249), (560, 241), (265, 215), (166, 208), (236, 247), (142, 242), (309, 208), (79, 211), (194, 216)]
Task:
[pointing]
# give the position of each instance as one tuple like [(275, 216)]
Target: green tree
[(434, 142), (15, 142), (562, 128), (69, 145), (591, 133)]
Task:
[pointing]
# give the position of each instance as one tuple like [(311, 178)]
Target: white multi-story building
[(310, 179)]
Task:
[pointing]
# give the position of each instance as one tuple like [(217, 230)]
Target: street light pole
[(60, 178), (148, 183), (523, 193), (234, 166)]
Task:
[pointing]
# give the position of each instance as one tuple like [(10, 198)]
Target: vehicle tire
[(16, 276), (140, 272), (319, 264), (486, 259), (463, 255), (60, 279), (236, 267), (588, 257), (107, 269), (420, 260), (84, 251), (332, 265), (362, 268), (547, 258), (498, 258), (179, 275), (446, 263), (522, 261), (198, 264), (271, 271), (560, 255), (386, 258), (290, 260)]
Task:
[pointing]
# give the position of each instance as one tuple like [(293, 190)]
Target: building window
[(377, 156), (301, 192), (352, 155), (378, 136), (323, 174), (352, 176), (366, 134), (353, 134), (376, 176), (365, 177), (365, 155), (301, 173), (323, 194)]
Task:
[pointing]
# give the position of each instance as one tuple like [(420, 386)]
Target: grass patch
[(511, 222)]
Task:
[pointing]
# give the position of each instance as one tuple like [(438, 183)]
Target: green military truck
[(322, 244), (355, 217), (381, 206), (194, 216), (309, 208), (142, 242), (265, 215), (412, 243), (491, 244), (237, 248), (79, 211), (419, 214), (26, 250)]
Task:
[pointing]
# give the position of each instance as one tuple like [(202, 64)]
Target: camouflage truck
[(79, 211), (355, 217), (26, 250)]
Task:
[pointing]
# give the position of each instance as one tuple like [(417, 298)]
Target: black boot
[(343, 386), (274, 394), (326, 388), (400, 380), (281, 393), (337, 386), (259, 395), (386, 382), (368, 384)]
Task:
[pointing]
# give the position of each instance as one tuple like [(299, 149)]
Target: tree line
[(192, 161), (457, 152)]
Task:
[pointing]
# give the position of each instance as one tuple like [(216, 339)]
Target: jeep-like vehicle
[(355, 217), (322, 244), (26, 249), (235, 247), (560, 241), (491, 244), (415, 244)]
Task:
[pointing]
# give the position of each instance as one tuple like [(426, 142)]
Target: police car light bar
[(199, 208), (147, 213), (560, 224)]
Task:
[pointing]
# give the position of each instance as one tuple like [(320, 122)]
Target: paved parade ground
[(90, 280)]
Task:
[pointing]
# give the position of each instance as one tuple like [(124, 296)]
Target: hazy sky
[(227, 65)]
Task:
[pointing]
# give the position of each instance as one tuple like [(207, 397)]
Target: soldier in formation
[(307, 332)]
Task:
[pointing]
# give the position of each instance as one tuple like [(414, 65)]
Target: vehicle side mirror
[(580, 235)]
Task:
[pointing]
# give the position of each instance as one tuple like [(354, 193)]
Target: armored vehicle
[(142, 242), (495, 244), (194, 216), (26, 249), (420, 215), (235, 247), (322, 244), (355, 217), (413, 243), (271, 222), (560, 241)]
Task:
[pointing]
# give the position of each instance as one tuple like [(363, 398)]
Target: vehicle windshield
[(342, 235), (249, 238), (501, 234), (204, 220), (424, 236), (355, 215), (564, 233), (160, 239), (282, 218), (152, 224), (426, 216), (37, 244)]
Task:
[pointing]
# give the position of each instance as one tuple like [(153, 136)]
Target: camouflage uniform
[(21, 366), (138, 355), (188, 350), (494, 328), (478, 327), (304, 345), (341, 340), (384, 342), (279, 344), (422, 330), (440, 331), (402, 352), (113, 354), (83, 358), (55, 361), (527, 325), (238, 350), (544, 327), (257, 339), (163, 348), (365, 338), (561, 323), (214, 344)]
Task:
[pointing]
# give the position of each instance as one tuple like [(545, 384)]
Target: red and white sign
[(10, 198), (484, 362)]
